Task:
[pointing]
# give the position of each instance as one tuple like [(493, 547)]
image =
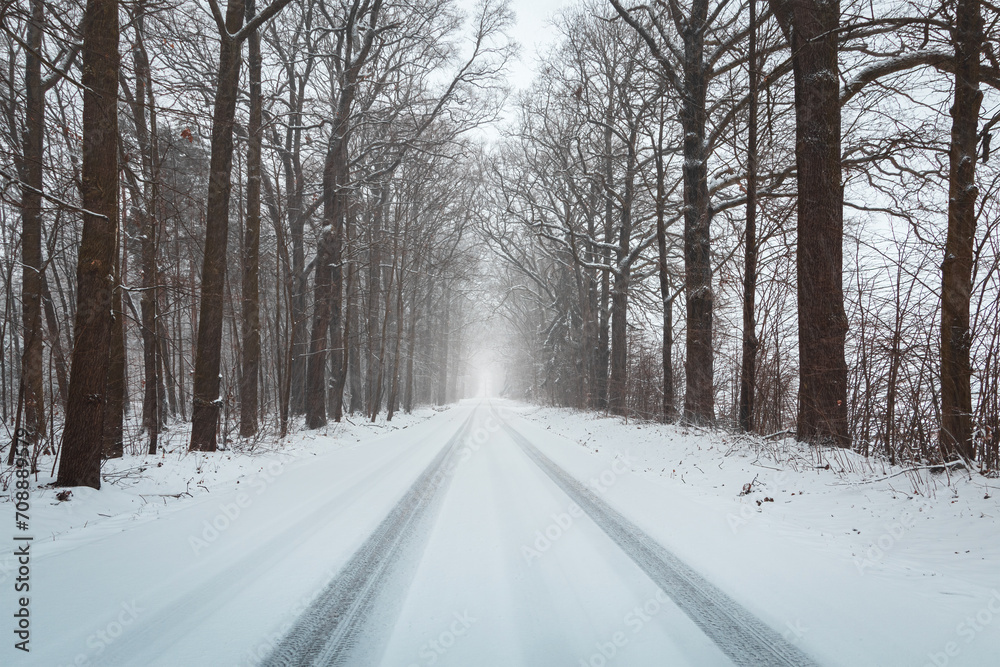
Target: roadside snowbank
[(862, 562), (140, 488)]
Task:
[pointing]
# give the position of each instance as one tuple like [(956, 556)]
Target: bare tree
[(336, 192), (251, 246), (206, 401), (956, 269), (83, 435), (811, 28), (748, 367), (31, 234)]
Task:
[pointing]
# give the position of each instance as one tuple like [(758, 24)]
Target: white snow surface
[(854, 561)]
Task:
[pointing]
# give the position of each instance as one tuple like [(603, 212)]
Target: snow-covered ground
[(858, 562), (211, 559), (142, 569), (141, 488)]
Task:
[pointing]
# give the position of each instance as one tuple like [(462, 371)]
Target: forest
[(228, 224)]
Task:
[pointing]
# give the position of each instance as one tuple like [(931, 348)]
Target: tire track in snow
[(184, 614), (745, 639), (331, 629)]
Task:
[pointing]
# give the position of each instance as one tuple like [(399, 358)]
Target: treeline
[(236, 217), (765, 215)]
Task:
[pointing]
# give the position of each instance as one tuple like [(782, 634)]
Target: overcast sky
[(532, 30)]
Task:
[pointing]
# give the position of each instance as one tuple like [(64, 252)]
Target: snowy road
[(455, 542), (480, 596)]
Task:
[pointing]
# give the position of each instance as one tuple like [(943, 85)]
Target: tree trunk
[(251, 246), (328, 294), (166, 374), (669, 400), (617, 387), (31, 233), (329, 264), (619, 346), (151, 413), (666, 291), (353, 324), (699, 396), (345, 359), (296, 223), (373, 361), (603, 337), (748, 368), (283, 285), (956, 270), (114, 416), (299, 319), (812, 26), (208, 355), (55, 343), (394, 377), (383, 365), (454, 365), (442, 378), (411, 342), (592, 324), (84, 430), (152, 395)]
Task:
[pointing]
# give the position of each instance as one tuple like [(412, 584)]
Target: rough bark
[(592, 316), (208, 354), (149, 302), (603, 336), (373, 339), (666, 290), (328, 281), (328, 278), (699, 396), (352, 323), (812, 29), (114, 405), (294, 182), (748, 367), (80, 464), (31, 233), (956, 269), (251, 246)]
